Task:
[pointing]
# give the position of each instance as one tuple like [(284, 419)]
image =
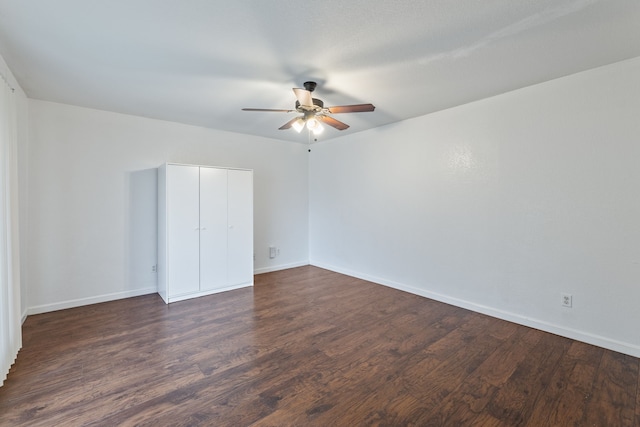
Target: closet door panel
[(240, 227), (183, 229), (213, 228)]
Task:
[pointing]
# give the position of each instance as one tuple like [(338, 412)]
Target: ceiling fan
[(313, 111)]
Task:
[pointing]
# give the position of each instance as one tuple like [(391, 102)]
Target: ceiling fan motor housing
[(316, 102)]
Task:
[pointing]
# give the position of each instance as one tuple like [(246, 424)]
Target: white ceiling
[(200, 61)]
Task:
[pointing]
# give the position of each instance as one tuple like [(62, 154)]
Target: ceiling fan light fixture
[(298, 125), (318, 129), (312, 123)]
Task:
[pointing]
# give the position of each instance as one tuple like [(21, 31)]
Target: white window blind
[(10, 324)]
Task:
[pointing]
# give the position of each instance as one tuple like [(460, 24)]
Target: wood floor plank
[(614, 391), (466, 404), (307, 347), (500, 365), (637, 423), (564, 400), (516, 400)]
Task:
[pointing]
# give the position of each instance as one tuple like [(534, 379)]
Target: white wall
[(92, 196), (499, 206)]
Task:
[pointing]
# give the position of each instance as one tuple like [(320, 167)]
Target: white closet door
[(213, 228), (183, 229), (240, 236)]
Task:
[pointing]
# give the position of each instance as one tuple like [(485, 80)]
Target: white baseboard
[(597, 340), (280, 267), (90, 300), (128, 294), (208, 292)]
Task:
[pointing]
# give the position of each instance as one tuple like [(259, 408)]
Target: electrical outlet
[(273, 251), (154, 268), (567, 300)]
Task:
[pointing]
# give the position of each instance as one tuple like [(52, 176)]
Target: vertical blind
[(10, 316)]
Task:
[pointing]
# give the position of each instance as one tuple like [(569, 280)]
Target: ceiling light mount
[(310, 86)]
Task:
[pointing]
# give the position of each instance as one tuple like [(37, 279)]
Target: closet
[(205, 230)]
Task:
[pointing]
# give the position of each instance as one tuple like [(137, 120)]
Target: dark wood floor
[(308, 347)]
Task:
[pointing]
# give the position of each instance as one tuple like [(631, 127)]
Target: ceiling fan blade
[(267, 109), (304, 97), (333, 122), (288, 124), (358, 108)]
